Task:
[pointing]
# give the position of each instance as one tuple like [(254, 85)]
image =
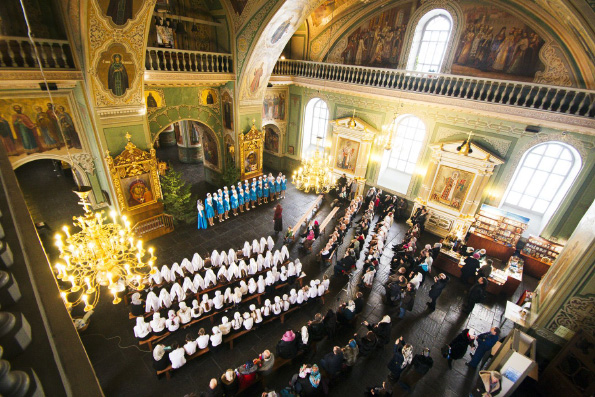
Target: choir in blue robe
[(253, 194), (220, 210), (277, 186), (209, 208), (283, 184), (202, 220), (241, 197), (265, 189), (225, 204), (259, 190), (233, 200)]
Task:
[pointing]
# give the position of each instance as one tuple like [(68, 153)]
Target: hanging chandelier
[(315, 173), (388, 132), (100, 255)]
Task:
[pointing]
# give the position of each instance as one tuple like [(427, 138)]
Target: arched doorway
[(192, 148)]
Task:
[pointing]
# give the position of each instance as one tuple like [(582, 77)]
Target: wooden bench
[(153, 339), (328, 218), (309, 212), (167, 371)]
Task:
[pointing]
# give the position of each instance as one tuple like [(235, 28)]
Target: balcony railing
[(172, 60), (565, 100), (18, 52)]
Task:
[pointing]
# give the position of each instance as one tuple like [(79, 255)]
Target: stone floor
[(124, 368)]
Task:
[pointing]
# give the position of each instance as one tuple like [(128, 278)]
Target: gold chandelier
[(315, 173), (388, 133), (101, 254)]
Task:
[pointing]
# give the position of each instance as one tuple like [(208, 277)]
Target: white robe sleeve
[(215, 259), (166, 274), (270, 243), (188, 285), (263, 244), (197, 262), (247, 249), (156, 278), (223, 258), (231, 255), (152, 303), (186, 264), (164, 299)]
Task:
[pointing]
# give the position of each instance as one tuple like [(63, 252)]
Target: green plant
[(231, 175), (177, 198)]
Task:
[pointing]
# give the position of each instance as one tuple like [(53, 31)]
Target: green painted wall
[(116, 138)]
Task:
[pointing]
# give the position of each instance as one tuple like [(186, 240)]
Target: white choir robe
[(231, 255), (256, 247), (225, 326), (176, 271), (227, 295), (173, 322), (166, 274), (270, 280), (197, 262), (243, 270), (266, 309), (290, 269), (237, 321), (263, 244), (206, 305), (254, 268), (284, 253), (313, 292), (141, 329), (217, 337), (286, 305), (177, 358), (259, 262), (221, 273), (270, 243), (298, 268), (368, 277), (234, 270), (283, 274), (247, 249), (156, 278), (218, 300), (223, 258), (276, 274), (184, 313), (164, 298), (326, 282), (243, 287), (277, 258), (321, 289), (196, 310), (198, 282), (176, 290), (152, 304), (252, 286), (157, 323), (186, 264), (215, 259), (202, 341), (261, 285), (188, 286), (248, 321), (300, 297), (237, 296), (257, 316), (190, 347)]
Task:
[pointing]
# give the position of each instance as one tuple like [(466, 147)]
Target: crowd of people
[(239, 198)]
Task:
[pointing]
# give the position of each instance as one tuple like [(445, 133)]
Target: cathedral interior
[(480, 112)]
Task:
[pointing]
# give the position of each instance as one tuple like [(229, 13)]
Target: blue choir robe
[(202, 220), (226, 204), (233, 200), (283, 184), (277, 187), (220, 207), (265, 189), (253, 194), (241, 198), (246, 186), (259, 191), (209, 209)]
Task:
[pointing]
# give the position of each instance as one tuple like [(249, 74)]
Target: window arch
[(430, 40), (398, 164), (315, 124), (540, 182)]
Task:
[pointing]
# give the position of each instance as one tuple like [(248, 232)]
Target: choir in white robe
[(216, 337), (176, 271), (173, 322), (198, 282), (247, 249), (252, 286), (256, 314), (292, 297), (261, 284), (176, 292), (184, 313), (156, 278), (248, 321), (196, 310), (141, 329), (259, 262), (256, 247), (190, 347), (225, 326), (237, 321), (243, 287), (153, 303), (202, 341), (270, 243), (231, 255), (206, 303), (197, 262), (166, 274), (215, 259), (164, 299), (218, 300), (186, 264), (188, 286), (223, 258), (177, 358), (284, 253), (263, 244), (210, 278), (157, 323)]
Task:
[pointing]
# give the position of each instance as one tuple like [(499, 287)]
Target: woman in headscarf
[(278, 218), (160, 359), (136, 306)]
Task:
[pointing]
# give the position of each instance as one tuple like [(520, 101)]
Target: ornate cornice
[(186, 79)]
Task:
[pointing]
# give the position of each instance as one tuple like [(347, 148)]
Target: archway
[(191, 147)]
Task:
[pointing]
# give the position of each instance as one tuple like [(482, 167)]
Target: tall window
[(541, 181), (315, 124), (429, 42), (398, 165)]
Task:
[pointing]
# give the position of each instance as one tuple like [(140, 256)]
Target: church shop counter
[(505, 279)]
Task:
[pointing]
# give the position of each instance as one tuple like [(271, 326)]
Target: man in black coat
[(477, 293), (332, 362), (436, 290), (393, 293), (420, 365), (359, 302), (316, 330), (470, 268), (381, 330)]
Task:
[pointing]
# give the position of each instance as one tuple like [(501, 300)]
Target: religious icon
[(451, 186), (49, 133), (139, 193), (117, 77), (208, 97), (271, 140), (68, 128), (151, 102), (346, 156), (209, 145), (7, 138), (251, 162), (273, 107), (120, 11), (227, 111), (280, 31), (255, 84), (26, 130)]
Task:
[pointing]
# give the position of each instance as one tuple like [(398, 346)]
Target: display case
[(539, 254), (501, 226)]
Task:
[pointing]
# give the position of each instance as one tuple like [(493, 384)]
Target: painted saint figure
[(49, 135), (451, 184), (7, 138), (139, 193), (117, 77), (68, 128), (256, 79), (120, 11), (25, 129)]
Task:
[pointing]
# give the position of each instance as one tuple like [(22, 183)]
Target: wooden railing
[(153, 227), (564, 100), (18, 52), (172, 60)]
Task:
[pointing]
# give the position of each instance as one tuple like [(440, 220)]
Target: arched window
[(429, 42), (398, 164), (315, 124), (541, 181)]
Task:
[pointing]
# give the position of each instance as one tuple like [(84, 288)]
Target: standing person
[(278, 219), (477, 293), (259, 190), (486, 269), (457, 348), (241, 198), (247, 197), (407, 300), (202, 220), (469, 268), (234, 202), (220, 210), (370, 196), (332, 362), (226, 206), (283, 186), (485, 342), (420, 365), (277, 187), (436, 290), (399, 362), (265, 191), (381, 330), (210, 212), (401, 208)]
